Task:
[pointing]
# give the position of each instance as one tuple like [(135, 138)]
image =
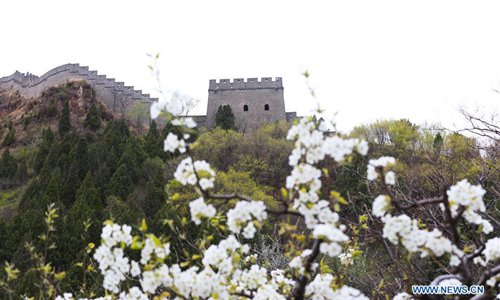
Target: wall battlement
[(248, 84), (107, 89)]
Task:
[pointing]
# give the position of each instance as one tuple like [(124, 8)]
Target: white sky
[(369, 60)]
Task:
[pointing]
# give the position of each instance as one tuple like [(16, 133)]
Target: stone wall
[(112, 93), (253, 102)]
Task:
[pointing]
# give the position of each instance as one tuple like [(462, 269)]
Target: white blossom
[(133, 293), (492, 249), (381, 205), (320, 289), (199, 209), (390, 178), (173, 143), (242, 214), (185, 173)]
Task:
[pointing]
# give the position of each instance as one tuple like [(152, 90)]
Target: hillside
[(28, 115)]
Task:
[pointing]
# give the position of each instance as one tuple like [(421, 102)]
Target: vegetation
[(64, 120), (224, 118), (93, 118), (68, 185)]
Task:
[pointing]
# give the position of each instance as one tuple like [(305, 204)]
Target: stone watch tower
[(253, 102)]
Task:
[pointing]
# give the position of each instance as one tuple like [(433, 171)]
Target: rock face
[(254, 102), (115, 95)]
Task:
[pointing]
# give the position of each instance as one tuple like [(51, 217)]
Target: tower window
[(266, 107), (245, 107)]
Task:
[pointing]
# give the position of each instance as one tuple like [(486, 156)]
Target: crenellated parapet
[(248, 84), (107, 89)]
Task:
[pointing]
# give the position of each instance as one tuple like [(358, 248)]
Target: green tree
[(88, 206), (71, 185), (52, 193), (93, 118), (219, 147), (133, 157), (155, 192), (224, 118), (43, 149), (8, 165), (64, 120), (22, 172), (121, 183), (152, 143)]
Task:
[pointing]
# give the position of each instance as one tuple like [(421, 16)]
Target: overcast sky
[(369, 60)]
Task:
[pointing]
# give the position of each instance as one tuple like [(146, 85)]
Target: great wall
[(253, 101), (107, 89)]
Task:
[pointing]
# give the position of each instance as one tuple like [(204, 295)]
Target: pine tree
[(155, 195), (53, 156), (22, 173), (224, 118), (30, 196), (8, 165), (151, 142), (133, 157), (71, 185), (64, 120), (51, 193), (121, 184), (93, 118), (437, 144), (88, 205), (116, 134), (43, 149), (79, 153)]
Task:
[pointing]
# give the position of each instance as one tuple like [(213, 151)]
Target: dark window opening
[(266, 107), (245, 107)]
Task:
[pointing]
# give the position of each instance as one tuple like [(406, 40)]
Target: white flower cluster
[(331, 237), (405, 230), (381, 205), (346, 258), (470, 197), (173, 143), (185, 173), (383, 162), (220, 256), (312, 145), (153, 279), (172, 104), (242, 216), (112, 262), (163, 105), (321, 289), (492, 250), (199, 209), (133, 293), (153, 245), (184, 122)]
